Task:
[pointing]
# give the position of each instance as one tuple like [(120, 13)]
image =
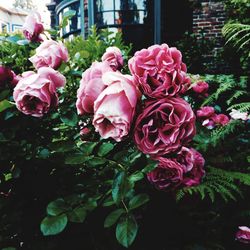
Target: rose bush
[(118, 147)]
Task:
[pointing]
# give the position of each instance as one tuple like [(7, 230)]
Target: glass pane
[(117, 4), (103, 5), (118, 17), (108, 18), (140, 4)]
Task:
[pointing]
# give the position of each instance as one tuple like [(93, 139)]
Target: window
[(4, 27)]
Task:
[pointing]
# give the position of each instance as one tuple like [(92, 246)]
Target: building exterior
[(12, 19), (143, 22)]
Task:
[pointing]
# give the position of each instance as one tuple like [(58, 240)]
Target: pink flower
[(194, 175), (164, 126), (50, 54), (201, 87), (205, 112), (221, 119), (7, 77), (159, 71), (35, 94), (33, 27), (209, 123), (168, 174), (243, 235), (113, 56), (114, 108), (237, 115), (91, 86)]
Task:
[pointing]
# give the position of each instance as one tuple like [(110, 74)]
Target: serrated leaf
[(77, 159), (105, 148), (150, 167), (70, 118), (57, 207), (77, 215), (52, 225), (96, 161), (126, 231), (5, 104), (87, 147), (136, 177), (113, 217), (138, 201), (119, 186)]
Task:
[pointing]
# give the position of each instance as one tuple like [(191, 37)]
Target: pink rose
[(159, 71), (7, 77), (50, 54), (208, 123), (201, 87), (91, 86), (33, 27), (221, 119), (243, 235), (164, 126), (35, 94), (168, 174), (113, 56), (114, 108), (193, 176), (205, 112)]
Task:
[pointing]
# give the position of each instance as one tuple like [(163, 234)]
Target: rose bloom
[(208, 123), (159, 71), (201, 87), (7, 77), (91, 85), (113, 56), (35, 94), (221, 119), (205, 112), (194, 175), (168, 174), (237, 115), (243, 235), (164, 126), (115, 107), (185, 169), (33, 27), (50, 54)]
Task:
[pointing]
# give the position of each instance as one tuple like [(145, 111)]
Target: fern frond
[(236, 95), (241, 107), (238, 34), (218, 182)]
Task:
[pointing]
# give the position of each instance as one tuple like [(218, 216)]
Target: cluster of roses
[(36, 93), (164, 123)]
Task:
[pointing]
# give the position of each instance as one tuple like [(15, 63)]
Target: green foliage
[(218, 182)]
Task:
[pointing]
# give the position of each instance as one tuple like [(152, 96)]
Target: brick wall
[(209, 18)]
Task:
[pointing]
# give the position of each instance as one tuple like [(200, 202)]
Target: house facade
[(143, 22), (11, 20)]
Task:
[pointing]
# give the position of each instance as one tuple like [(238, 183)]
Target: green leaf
[(87, 147), (52, 225), (91, 204), (62, 146), (23, 42), (78, 215), (150, 167), (9, 248), (96, 161), (75, 159), (137, 176), (113, 217), (4, 94), (44, 153), (57, 207), (119, 186), (105, 148), (108, 202), (126, 231), (5, 104), (138, 201), (70, 119)]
